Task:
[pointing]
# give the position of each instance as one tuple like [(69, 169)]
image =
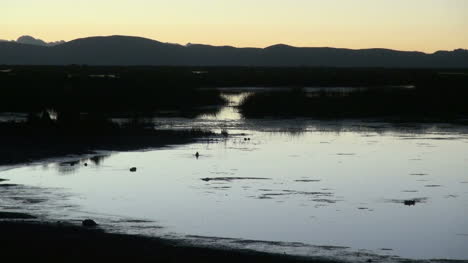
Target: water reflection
[(72, 167), (98, 159), (68, 167)]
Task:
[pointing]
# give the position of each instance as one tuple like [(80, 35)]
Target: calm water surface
[(307, 187)]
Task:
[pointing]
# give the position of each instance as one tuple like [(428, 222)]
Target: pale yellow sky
[(425, 25)]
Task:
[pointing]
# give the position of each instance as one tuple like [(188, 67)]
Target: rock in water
[(410, 202), (89, 223), (133, 169)]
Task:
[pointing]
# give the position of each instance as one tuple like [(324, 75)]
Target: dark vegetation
[(150, 89), (70, 109), (34, 242), (104, 90), (41, 137), (439, 97), (110, 82), (84, 100)]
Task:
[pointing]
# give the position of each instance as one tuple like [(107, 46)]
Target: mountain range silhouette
[(127, 51)]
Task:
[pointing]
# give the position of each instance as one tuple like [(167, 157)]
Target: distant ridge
[(126, 50), (33, 41)]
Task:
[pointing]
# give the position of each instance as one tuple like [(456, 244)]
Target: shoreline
[(27, 149), (27, 237), (58, 242)]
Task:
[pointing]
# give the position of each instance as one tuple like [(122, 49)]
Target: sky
[(422, 25)]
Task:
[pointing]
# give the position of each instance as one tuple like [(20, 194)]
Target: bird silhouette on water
[(197, 155)]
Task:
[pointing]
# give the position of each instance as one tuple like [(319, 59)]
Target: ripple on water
[(230, 179), (409, 201)]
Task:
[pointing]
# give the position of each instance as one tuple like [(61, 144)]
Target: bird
[(197, 155)]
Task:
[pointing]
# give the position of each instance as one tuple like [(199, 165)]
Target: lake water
[(346, 190)]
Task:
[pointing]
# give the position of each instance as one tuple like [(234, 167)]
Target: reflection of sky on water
[(228, 113), (324, 188), (361, 185)]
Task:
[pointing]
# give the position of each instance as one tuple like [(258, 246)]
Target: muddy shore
[(62, 242)]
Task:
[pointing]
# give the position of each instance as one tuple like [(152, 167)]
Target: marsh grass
[(418, 104)]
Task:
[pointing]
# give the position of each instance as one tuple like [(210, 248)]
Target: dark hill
[(124, 50)]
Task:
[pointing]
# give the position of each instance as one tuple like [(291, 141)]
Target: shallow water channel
[(333, 189)]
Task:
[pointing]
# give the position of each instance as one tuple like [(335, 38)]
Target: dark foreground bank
[(59, 242)]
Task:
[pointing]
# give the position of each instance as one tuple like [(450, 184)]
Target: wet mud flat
[(62, 242)]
